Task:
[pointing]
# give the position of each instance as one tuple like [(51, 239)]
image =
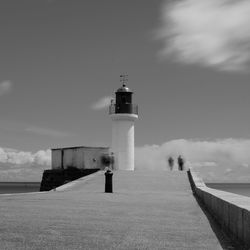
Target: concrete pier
[(231, 211), (148, 210)]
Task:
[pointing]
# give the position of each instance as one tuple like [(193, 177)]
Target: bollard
[(108, 181)]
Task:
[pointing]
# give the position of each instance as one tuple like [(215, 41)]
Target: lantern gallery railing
[(125, 108)]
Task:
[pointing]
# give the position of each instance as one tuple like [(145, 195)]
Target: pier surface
[(148, 210)]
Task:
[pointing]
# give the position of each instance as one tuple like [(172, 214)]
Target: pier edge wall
[(53, 178), (231, 211)]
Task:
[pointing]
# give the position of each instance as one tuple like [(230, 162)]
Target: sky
[(187, 62)]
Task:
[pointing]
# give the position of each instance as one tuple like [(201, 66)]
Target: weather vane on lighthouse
[(123, 114), (124, 79)]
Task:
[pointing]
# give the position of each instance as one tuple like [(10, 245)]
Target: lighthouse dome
[(124, 88)]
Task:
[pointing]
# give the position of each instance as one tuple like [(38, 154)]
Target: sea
[(19, 187), (236, 188)]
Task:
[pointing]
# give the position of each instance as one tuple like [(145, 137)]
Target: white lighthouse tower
[(123, 114)]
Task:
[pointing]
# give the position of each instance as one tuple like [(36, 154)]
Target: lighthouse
[(123, 114)]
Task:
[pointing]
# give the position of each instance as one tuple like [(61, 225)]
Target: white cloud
[(46, 131), (211, 158), (219, 160), (5, 87), (103, 103), (201, 164), (208, 32), (43, 157), (23, 166), (12, 156)]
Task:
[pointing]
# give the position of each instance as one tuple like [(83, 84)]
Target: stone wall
[(53, 178), (232, 211)]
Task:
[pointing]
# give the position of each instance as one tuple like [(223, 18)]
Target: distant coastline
[(236, 188), (19, 187)]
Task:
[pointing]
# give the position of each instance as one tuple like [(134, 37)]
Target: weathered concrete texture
[(148, 210), (78, 157), (232, 211)]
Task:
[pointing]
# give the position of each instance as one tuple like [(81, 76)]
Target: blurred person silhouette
[(171, 163), (180, 163)]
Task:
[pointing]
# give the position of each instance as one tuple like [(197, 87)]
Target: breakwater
[(231, 211), (53, 178), (148, 210)]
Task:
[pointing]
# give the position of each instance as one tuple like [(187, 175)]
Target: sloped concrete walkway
[(148, 210)]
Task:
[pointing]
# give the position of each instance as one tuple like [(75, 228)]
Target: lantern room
[(123, 102)]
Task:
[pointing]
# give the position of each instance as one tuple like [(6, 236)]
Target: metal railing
[(126, 108)]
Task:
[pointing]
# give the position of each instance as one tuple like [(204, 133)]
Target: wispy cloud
[(211, 158), (103, 103), (208, 32), (5, 87), (46, 131)]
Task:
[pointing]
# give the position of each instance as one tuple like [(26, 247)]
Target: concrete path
[(148, 210)]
